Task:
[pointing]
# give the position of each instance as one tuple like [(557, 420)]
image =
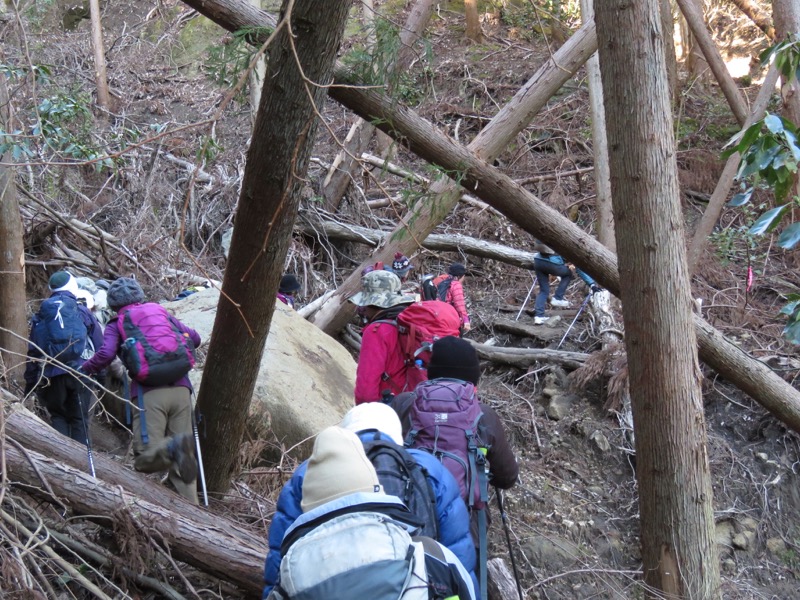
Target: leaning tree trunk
[(751, 376), (679, 552), (761, 19), (13, 320), (276, 165), (443, 195), (723, 187), (694, 19), (355, 144)]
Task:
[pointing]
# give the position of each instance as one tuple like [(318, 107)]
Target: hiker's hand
[(596, 289), (465, 327), (117, 370)]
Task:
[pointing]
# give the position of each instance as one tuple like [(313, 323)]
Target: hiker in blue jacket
[(65, 396), (367, 420), (546, 263)]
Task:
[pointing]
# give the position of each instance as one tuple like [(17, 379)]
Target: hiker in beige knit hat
[(338, 467)]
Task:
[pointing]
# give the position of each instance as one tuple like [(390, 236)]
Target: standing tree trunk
[(103, 97), (786, 14), (256, 80), (668, 23), (276, 164), (602, 180), (679, 551), (13, 321), (473, 33)]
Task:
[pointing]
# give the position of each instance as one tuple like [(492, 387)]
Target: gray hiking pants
[(167, 413)]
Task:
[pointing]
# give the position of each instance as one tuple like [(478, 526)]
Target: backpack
[(445, 421), (155, 351), (421, 324), (429, 289), (59, 329), (442, 288), (362, 555), (401, 476)]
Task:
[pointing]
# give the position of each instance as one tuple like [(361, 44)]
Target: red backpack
[(421, 324)]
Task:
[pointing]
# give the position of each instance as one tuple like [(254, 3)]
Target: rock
[(724, 534), (552, 553), (749, 524), (600, 441), (776, 545), (744, 540), (559, 406), (549, 392), (306, 379)]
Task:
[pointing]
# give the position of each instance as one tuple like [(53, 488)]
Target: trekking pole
[(88, 441), (200, 460), (580, 310), (528, 297), (504, 519)]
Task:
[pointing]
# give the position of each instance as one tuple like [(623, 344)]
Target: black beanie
[(289, 284), (454, 358), (457, 270)]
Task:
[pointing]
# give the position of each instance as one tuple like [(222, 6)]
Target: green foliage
[(786, 55), (792, 329), (227, 62)]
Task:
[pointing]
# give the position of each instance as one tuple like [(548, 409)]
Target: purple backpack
[(445, 419), (155, 352)]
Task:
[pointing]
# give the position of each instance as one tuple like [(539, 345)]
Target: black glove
[(596, 288), (29, 385)]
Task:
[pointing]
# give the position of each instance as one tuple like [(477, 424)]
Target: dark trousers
[(544, 268), (67, 401)]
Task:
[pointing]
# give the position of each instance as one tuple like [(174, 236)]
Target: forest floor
[(574, 515)]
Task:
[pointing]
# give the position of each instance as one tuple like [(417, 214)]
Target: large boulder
[(306, 379)]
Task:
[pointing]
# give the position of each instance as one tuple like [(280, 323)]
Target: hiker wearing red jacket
[(382, 371), (451, 284)]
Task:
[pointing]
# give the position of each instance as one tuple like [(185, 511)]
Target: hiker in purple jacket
[(162, 421)]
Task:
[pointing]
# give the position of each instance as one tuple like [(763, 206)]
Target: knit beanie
[(124, 291), (401, 264), (338, 467), (454, 358), (63, 282), (457, 270), (374, 415), (289, 284)]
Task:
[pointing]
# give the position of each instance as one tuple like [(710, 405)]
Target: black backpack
[(401, 476), (443, 288), (429, 291)]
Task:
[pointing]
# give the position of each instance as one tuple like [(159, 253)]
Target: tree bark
[(256, 80), (751, 376), (525, 357), (501, 582), (786, 14), (473, 31), (346, 162), (216, 549), (694, 18), (13, 320), (723, 187), (668, 23), (99, 49), (312, 224), (679, 552), (442, 196), (531, 214), (753, 10), (271, 189), (602, 177)]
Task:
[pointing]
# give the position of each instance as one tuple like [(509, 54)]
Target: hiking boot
[(539, 320), (181, 451), (559, 303)]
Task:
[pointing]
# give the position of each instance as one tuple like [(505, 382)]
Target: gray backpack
[(355, 555)]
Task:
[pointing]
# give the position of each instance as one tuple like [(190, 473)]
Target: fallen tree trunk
[(215, 550), (525, 357), (33, 433), (751, 376), (313, 224), (502, 585)]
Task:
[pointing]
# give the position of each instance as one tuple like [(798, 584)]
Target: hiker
[(382, 370), (546, 263), (287, 288), (426, 488), (157, 350), (443, 416), (353, 540), (450, 289), (66, 331)]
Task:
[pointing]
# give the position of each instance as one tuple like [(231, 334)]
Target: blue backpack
[(59, 329)]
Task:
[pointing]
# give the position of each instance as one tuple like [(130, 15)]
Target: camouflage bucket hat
[(380, 288)]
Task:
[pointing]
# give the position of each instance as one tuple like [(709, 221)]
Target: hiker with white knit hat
[(63, 335), (353, 540), (424, 485)]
